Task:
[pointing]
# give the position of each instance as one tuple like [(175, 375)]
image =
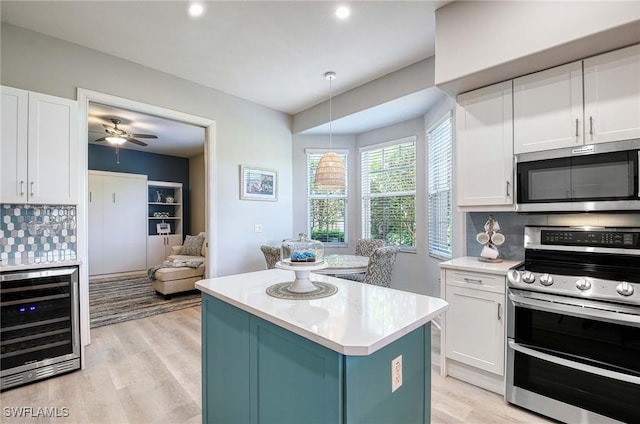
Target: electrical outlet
[(396, 373), (257, 228)]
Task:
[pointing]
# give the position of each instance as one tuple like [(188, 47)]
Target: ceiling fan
[(119, 136)]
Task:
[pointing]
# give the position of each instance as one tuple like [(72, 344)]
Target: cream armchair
[(175, 279), (177, 256)]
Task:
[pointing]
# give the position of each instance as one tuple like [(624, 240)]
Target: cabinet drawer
[(475, 280)]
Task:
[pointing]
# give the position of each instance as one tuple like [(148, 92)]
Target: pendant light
[(330, 173)]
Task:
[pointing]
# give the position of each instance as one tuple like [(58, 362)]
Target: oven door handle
[(572, 364), (576, 310)]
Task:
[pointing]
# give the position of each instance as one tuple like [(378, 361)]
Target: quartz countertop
[(358, 320), (37, 265), (471, 263)]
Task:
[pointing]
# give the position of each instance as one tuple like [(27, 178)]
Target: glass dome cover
[(302, 250)]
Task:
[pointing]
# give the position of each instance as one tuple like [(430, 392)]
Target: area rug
[(111, 302)]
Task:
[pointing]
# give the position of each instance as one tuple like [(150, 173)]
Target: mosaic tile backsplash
[(37, 234)]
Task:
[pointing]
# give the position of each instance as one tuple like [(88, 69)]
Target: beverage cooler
[(39, 327)]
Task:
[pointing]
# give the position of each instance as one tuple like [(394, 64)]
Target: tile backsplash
[(512, 227), (37, 234)]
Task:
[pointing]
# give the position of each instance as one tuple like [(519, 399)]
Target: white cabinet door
[(39, 148), (484, 146), (159, 247), (53, 149), (475, 328), (96, 224), (13, 147), (612, 96), (117, 223), (156, 250), (547, 109), (125, 224)]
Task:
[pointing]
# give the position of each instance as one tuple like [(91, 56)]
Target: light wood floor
[(149, 371)]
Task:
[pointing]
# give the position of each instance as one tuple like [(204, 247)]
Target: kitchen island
[(361, 355)]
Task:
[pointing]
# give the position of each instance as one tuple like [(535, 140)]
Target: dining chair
[(366, 246), (380, 267), (271, 255)]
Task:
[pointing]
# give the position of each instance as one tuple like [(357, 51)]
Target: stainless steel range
[(573, 325)]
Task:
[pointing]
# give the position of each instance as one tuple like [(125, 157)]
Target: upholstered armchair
[(271, 255), (190, 253), (365, 246)]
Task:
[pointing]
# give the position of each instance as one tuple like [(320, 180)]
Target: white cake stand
[(302, 283)]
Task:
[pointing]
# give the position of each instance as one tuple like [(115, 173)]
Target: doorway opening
[(94, 107)]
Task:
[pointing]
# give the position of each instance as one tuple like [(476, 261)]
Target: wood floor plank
[(149, 371)]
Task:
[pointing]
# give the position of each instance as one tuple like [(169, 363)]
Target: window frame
[(432, 250), (365, 222), (345, 196)]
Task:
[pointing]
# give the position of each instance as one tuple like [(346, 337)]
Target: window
[(389, 192), (326, 209), (439, 162)]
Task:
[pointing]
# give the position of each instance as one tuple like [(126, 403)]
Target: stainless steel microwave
[(599, 177)]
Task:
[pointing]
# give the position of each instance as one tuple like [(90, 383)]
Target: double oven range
[(573, 325)]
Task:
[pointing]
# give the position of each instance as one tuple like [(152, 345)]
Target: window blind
[(388, 178), (440, 165), (326, 209)]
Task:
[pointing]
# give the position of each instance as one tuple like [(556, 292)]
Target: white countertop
[(37, 265), (471, 263), (358, 320)]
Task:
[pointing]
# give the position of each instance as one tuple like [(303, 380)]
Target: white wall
[(246, 133), (483, 42), (408, 80)]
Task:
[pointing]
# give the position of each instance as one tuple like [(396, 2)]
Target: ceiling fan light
[(116, 140), (330, 173)]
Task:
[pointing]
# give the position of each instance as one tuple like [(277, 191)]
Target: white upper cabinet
[(39, 148), (13, 150), (612, 96), (484, 147), (547, 109), (550, 111)]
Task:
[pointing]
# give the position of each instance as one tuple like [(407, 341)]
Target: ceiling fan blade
[(144, 135), (138, 142), (101, 139)]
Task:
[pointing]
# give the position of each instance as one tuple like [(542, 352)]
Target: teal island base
[(257, 372)]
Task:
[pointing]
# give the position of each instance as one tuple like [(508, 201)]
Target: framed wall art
[(258, 183)]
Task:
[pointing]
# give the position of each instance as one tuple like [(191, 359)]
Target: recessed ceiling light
[(196, 10), (343, 12)]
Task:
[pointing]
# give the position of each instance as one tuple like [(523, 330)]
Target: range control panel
[(606, 238)]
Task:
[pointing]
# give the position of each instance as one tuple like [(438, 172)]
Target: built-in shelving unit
[(163, 213)]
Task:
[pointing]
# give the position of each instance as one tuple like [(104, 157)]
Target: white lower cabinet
[(473, 329), (159, 247)]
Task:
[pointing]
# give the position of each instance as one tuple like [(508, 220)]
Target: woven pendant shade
[(330, 172)]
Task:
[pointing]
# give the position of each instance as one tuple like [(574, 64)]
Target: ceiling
[(174, 138), (273, 53)]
